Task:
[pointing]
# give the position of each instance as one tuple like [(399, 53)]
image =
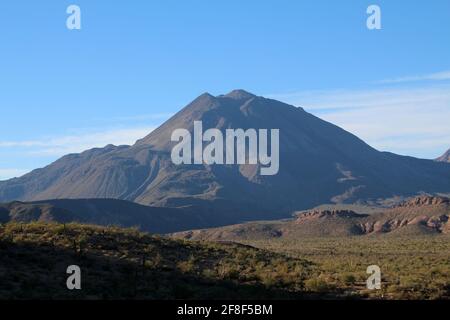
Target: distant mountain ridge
[(106, 212), (319, 163), (445, 157), (424, 215)]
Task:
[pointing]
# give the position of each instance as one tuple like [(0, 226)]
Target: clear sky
[(134, 63)]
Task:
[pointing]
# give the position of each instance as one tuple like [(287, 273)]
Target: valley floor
[(127, 264), (413, 267)]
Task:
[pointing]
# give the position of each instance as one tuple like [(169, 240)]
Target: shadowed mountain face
[(445, 157), (106, 212), (319, 163)]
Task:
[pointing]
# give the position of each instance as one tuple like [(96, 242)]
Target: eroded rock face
[(382, 226), (438, 224), (425, 201), (318, 214), (429, 212), (426, 211), (418, 216)]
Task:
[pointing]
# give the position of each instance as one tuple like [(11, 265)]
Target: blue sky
[(134, 63)]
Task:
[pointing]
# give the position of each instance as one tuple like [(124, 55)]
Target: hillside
[(319, 163), (410, 242), (418, 216), (126, 264), (106, 212)]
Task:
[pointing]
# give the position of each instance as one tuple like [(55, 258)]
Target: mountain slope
[(106, 212), (445, 157), (319, 163)]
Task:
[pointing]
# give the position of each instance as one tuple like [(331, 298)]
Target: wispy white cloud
[(410, 121), (139, 117), (61, 145), (123, 130), (12, 173), (438, 76)]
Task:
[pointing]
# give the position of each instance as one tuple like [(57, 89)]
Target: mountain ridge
[(106, 212), (319, 163), (423, 215), (445, 157)]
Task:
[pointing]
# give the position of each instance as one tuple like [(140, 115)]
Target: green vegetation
[(127, 264), (415, 267)]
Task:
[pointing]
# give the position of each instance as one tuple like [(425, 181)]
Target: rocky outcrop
[(422, 215), (424, 201), (324, 214), (429, 212), (435, 223)]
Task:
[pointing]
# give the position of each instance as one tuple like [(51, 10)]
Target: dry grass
[(416, 267), (127, 264)]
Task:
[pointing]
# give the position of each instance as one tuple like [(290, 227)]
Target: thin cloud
[(61, 145), (140, 117), (12, 173), (409, 121), (438, 76)]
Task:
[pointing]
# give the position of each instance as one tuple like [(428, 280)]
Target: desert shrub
[(228, 272), (411, 283), (187, 266), (348, 279), (209, 273), (317, 285)]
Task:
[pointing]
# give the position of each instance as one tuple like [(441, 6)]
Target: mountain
[(105, 212), (319, 163), (424, 215), (445, 157)]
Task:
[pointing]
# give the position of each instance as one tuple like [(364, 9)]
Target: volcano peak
[(239, 94)]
